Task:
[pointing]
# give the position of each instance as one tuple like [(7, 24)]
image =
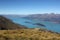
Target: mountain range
[(52, 17), (55, 18)]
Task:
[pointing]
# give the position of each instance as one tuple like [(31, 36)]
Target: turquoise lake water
[(30, 23)]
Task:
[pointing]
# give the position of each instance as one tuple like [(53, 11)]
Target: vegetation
[(28, 34)]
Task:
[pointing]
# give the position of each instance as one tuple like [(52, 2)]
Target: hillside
[(29, 34), (6, 24)]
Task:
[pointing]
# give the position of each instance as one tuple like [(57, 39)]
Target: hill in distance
[(52, 17)]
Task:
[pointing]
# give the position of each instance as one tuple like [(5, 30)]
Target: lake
[(36, 23)]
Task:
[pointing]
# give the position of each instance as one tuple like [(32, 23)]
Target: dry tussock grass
[(28, 34)]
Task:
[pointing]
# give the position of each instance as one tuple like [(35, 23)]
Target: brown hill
[(6, 24)]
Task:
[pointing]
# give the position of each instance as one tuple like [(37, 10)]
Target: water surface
[(30, 23)]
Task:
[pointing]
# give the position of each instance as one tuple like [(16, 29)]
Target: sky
[(25, 7)]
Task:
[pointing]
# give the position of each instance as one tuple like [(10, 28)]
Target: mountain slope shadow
[(6, 24)]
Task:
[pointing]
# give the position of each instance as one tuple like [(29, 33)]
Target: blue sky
[(29, 6)]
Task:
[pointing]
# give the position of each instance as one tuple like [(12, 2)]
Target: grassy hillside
[(28, 34)]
